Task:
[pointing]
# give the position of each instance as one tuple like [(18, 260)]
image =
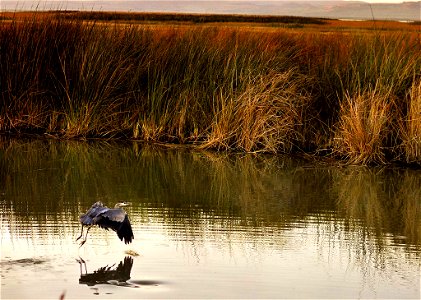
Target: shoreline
[(323, 158)]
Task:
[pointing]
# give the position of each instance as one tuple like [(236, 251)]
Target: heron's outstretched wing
[(117, 220), (96, 209)]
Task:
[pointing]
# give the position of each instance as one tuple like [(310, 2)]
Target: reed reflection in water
[(248, 226)]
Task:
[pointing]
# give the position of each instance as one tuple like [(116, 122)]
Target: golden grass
[(363, 126), (371, 25), (327, 25), (241, 88), (411, 131), (268, 116)]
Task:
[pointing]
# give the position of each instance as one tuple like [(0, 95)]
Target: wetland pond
[(206, 225)]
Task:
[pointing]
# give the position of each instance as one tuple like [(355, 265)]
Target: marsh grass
[(363, 127), (185, 17), (218, 87), (411, 125), (269, 116)]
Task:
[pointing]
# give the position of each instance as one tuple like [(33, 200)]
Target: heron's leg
[(81, 234), (86, 236)]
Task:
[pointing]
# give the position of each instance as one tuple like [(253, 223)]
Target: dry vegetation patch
[(242, 88)]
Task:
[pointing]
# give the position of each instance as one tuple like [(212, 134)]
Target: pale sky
[(194, 6)]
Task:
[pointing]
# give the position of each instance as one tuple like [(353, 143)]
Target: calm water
[(206, 225)]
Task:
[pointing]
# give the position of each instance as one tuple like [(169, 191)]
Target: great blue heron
[(115, 218)]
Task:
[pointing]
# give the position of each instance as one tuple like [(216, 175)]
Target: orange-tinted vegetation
[(267, 22), (327, 87)]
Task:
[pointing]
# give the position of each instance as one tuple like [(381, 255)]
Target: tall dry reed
[(363, 127), (411, 125), (268, 116)]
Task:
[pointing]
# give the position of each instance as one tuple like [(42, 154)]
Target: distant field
[(202, 19), (344, 89)]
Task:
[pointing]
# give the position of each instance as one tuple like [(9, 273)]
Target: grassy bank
[(354, 96)]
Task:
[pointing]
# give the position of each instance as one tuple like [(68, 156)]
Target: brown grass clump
[(411, 128), (268, 116), (363, 127)]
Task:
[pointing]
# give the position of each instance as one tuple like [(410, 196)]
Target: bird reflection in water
[(108, 275)]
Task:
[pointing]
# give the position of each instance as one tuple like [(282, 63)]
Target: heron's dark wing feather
[(117, 220), (125, 232)]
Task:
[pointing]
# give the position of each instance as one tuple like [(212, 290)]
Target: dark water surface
[(206, 225)]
